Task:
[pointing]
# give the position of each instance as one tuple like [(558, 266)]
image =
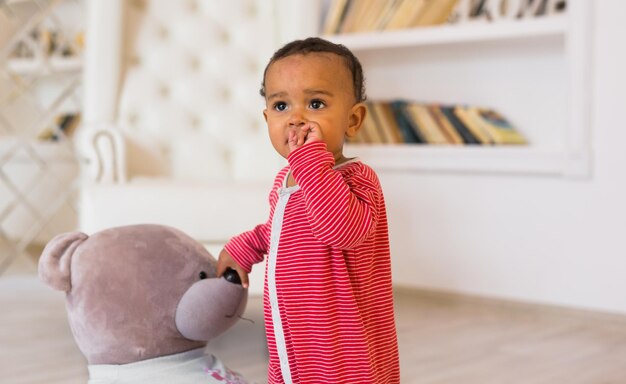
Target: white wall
[(540, 239)]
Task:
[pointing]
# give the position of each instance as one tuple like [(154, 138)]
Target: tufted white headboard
[(179, 80)]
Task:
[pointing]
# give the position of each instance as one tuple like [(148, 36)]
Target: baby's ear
[(54, 263), (357, 117)]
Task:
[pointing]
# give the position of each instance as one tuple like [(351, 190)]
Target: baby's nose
[(296, 119), (296, 123)]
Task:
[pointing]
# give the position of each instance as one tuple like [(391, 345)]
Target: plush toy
[(142, 302)]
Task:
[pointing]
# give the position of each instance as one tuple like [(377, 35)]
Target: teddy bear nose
[(232, 276)]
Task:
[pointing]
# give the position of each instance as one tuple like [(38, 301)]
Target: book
[(334, 16), (370, 17), (63, 128), (452, 135), (405, 13), (384, 134), (370, 129), (466, 135), (387, 120), (355, 11), (406, 125), (435, 12), (477, 8), (386, 14), (401, 121), (498, 127), (470, 122), (425, 123)]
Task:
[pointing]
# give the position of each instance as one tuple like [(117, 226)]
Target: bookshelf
[(474, 32), (533, 70), (40, 79), (45, 67)]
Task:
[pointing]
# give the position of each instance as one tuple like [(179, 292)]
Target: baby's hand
[(307, 133), (226, 261)]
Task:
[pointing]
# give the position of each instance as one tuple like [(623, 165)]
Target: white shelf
[(46, 67), (541, 27), (534, 70), (467, 158), (47, 151)]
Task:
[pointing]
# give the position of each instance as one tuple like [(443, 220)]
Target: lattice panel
[(40, 76)]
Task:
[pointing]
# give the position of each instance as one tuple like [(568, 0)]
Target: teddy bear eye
[(202, 275)]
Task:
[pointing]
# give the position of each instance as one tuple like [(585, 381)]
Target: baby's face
[(313, 88)]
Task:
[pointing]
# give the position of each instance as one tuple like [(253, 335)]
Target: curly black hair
[(316, 44)]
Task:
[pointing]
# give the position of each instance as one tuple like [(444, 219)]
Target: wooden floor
[(443, 339)]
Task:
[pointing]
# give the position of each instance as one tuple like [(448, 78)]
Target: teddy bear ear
[(54, 263)]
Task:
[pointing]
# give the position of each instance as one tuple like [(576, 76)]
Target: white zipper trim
[(279, 334)]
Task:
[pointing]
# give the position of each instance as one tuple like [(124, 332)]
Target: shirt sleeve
[(342, 211), (249, 247)]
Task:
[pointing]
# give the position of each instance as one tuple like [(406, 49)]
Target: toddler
[(328, 297)]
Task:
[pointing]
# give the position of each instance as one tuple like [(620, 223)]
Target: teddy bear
[(142, 302)]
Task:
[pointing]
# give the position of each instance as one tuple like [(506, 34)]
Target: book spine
[(376, 121), (472, 125), (498, 127), (372, 129), (405, 124), (427, 125), (452, 136), (335, 16), (387, 124), (468, 137), (437, 12)]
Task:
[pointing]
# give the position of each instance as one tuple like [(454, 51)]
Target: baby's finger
[(311, 126), (292, 139), (314, 132), (244, 279), (302, 136), (224, 261)]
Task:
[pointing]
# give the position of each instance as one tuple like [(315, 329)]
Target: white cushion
[(192, 74), (196, 157), (208, 212)]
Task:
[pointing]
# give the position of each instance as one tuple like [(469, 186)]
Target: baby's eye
[(280, 106), (317, 104)]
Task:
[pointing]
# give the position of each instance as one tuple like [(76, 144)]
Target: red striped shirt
[(333, 273)]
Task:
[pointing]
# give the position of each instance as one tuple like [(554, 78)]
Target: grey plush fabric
[(139, 292)]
